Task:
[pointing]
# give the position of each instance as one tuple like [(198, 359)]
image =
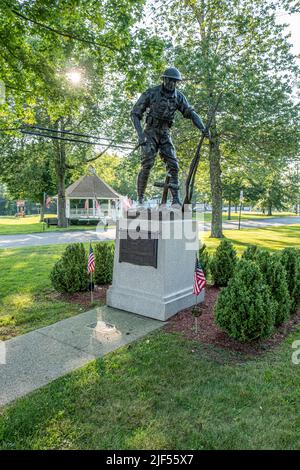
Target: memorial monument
[(156, 249)]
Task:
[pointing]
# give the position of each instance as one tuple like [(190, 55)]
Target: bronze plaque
[(140, 251)]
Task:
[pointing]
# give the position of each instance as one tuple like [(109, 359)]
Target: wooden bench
[(51, 221)]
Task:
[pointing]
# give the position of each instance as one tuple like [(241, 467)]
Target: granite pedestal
[(154, 264)]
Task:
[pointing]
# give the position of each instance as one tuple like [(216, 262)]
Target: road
[(50, 238), (257, 223)]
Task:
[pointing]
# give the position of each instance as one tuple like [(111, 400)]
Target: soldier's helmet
[(172, 72)]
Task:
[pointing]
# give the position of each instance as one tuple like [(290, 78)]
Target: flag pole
[(92, 297), (91, 278), (196, 319), (92, 294)]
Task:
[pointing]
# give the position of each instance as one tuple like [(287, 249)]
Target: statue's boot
[(176, 203), (141, 185)]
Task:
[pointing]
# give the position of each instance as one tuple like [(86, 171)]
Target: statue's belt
[(161, 123)]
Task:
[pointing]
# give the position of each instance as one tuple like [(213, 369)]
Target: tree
[(47, 45), (237, 48), (27, 170)]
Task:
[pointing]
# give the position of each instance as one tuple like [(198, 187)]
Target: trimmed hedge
[(275, 277), (104, 261), (245, 309), (223, 263), (290, 259), (250, 252), (69, 274)]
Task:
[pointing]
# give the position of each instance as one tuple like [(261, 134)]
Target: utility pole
[(298, 190), (240, 212)]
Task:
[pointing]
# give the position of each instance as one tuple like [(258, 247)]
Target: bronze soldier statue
[(161, 101)]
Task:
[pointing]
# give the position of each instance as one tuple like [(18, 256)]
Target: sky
[(294, 28)]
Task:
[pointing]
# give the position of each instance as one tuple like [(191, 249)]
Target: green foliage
[(104, 260), (290, 259), (35, 170), (223, 263), (250, 252), (69, 274), (219, 46), (204, 259), (275, 276), (263, 259), (245, 309)]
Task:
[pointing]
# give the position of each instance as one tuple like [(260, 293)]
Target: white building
[(90, 198)]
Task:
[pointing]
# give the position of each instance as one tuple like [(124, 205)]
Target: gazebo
[(90, 198)]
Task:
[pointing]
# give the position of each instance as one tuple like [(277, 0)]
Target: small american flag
[(48, 202), (127, 203), (91, 261), (199, 278)]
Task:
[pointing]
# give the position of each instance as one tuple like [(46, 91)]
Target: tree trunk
[(269, 209), (216, 184), (60, 167)]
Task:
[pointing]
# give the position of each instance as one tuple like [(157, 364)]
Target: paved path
[(260, 223), (32, 360), (254, 223), (50, 238)]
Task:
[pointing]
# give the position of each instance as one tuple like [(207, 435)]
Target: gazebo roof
[(90, 186)]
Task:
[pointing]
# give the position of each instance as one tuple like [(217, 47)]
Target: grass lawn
[(31, 224), (27, 300), (164, 392), (271, 238), (246, 215)]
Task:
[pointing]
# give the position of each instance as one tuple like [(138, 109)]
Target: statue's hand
[(142, 139), (206, 133)]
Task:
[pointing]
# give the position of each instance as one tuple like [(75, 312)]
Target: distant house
[(91, 198)]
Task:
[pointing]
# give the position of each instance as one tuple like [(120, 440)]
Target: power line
[(25, 130), (77, 141), (48, 129)]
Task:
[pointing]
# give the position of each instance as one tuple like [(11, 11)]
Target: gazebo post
[(68, 208)]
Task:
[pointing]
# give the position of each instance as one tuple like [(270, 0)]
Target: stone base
[(162, 291)]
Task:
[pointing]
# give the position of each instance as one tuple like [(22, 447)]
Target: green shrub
[(104, 261), (223, 263), (245, 309), (275, 277), (263, 259), (250, 252), (291, 261), (204, 259), (69, 274)]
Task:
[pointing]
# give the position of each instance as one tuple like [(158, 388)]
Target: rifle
[(189, 183)]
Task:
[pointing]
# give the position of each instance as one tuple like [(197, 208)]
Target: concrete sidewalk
[(36, 358)]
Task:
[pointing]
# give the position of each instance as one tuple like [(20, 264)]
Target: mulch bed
[(84, 298), (209, 333)]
